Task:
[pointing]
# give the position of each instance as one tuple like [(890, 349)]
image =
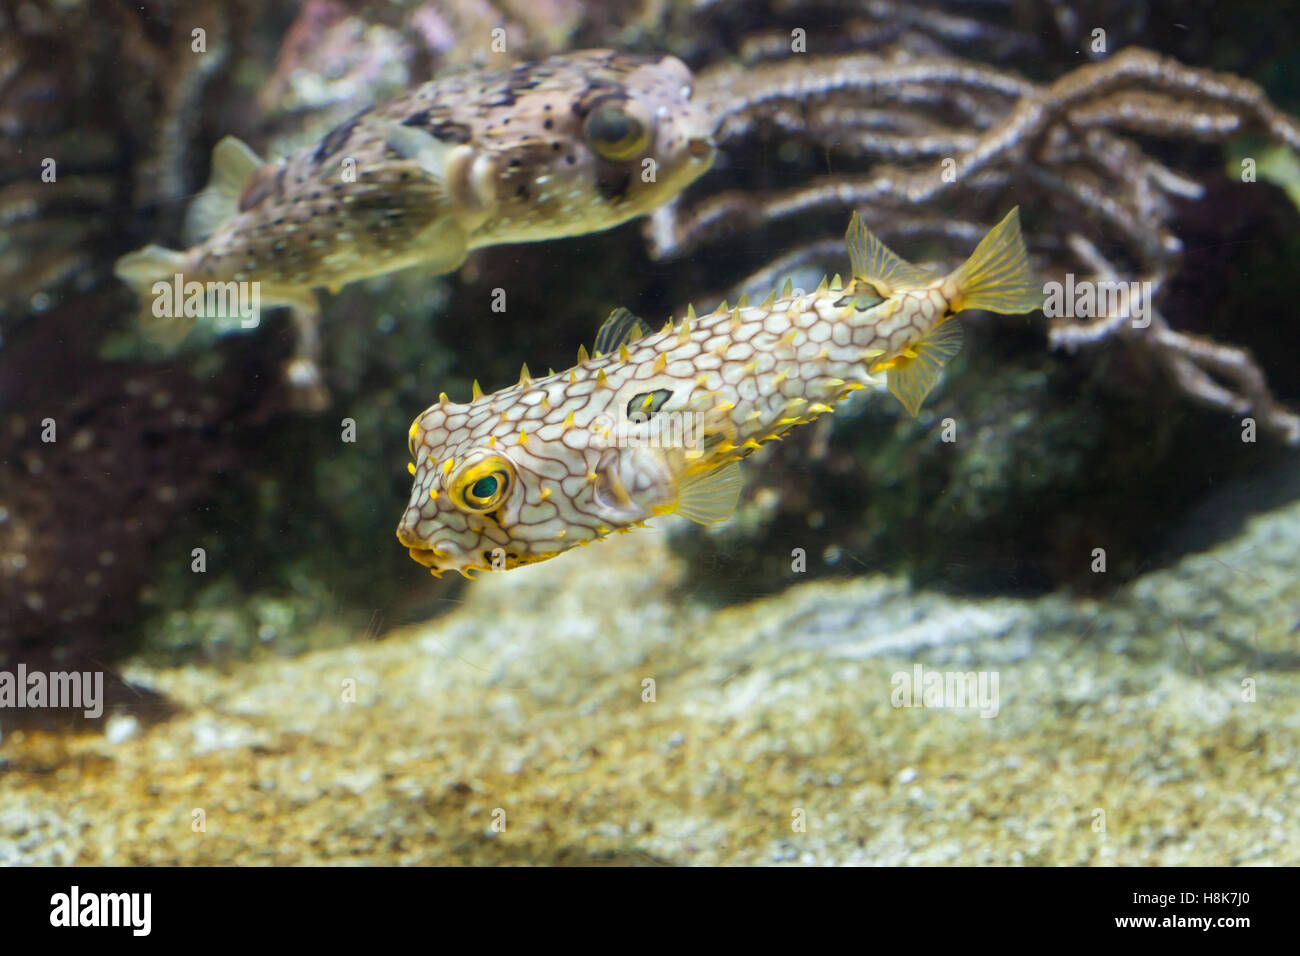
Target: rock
[(1151, 728)]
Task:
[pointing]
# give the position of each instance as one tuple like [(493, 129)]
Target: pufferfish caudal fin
[(996, 277), (233, 164)]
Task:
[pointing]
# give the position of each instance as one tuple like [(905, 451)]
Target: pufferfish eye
[(482, 486), (615, 133)]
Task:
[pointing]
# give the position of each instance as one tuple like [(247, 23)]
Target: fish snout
[(701, 148), (421, 552)]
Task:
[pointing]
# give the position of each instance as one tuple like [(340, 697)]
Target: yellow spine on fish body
[(657, 424), (538, 151)]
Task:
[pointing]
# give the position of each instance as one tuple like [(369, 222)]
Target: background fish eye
[(615, 133)]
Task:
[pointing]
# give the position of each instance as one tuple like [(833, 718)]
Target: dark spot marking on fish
[(490, 557), (336, 137), (548, 123), (261, 184), (451, 132), (596, 92), (417, 119), (642, 407), (612, 181)]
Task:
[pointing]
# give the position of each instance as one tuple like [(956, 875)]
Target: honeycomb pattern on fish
[(657, 424)]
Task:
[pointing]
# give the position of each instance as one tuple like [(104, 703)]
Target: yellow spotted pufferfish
[(573, 144), (658, 422)]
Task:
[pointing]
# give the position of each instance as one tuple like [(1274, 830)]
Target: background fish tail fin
[(167, 332), (142, 268), (996, 277)]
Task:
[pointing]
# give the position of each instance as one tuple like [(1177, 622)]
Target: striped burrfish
[(655, 423), (569, 145)]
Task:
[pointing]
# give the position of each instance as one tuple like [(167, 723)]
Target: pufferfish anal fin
[(710, 496), (912, 378), (877, 263), (232, 163), (621, 328)]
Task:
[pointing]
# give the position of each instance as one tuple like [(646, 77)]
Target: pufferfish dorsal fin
[(232, 163), (621, 328), (876, 262), (911, 378)]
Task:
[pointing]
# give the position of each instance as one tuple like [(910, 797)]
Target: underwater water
[(1029, 601)]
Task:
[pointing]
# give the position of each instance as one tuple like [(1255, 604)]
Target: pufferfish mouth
[(425, 556), (438, 561)]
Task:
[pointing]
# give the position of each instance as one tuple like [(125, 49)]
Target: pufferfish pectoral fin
[(233, 162), (912, 378), (708, 497)]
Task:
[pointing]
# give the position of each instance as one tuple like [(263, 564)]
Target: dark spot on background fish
[(336, 137), (612, 180), (264, 182), (522, 80), (450, 132)]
